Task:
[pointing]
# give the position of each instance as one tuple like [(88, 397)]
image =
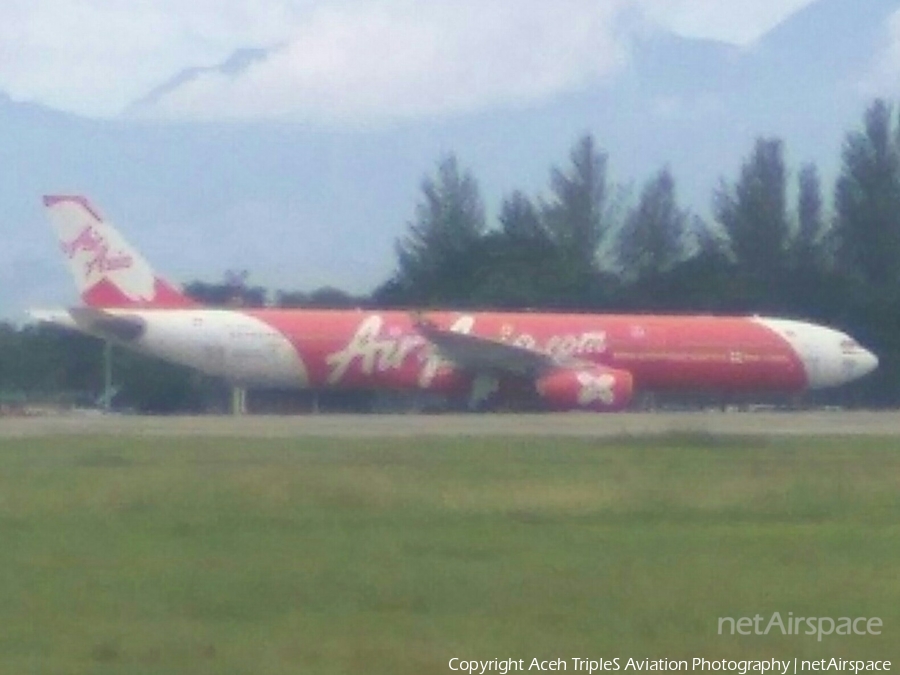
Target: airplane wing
[(565, 383), (473, 352)]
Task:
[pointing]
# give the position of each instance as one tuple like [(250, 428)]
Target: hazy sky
[(352, 61)]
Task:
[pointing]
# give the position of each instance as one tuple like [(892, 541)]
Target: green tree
[(233, 291), (450, 221), (754, 213), (867, 201), (325, 297), (515, 266), (521, 221), (578, 216), (651, 241), (152, 385), (808, 243)]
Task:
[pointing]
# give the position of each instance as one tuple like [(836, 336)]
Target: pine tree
[(449, 223), (577, 216), (754, 212), (867, 201), (651, 241), (808, 242)]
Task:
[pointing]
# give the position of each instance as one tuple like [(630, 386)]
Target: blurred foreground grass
[(143, 555)]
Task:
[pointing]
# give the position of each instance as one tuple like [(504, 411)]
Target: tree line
[(778, 242)]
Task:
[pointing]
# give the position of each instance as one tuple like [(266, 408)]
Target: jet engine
[(589, 388)]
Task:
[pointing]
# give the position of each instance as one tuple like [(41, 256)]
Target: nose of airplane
[(855, 361), (866, 362), (830, 358)]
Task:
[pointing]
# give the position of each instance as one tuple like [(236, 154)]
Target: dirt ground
[(818, 423)]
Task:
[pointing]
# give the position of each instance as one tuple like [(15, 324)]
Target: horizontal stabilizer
[(122, 328), (57, 317)]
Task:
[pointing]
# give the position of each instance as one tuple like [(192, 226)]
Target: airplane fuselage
[(374, 349)]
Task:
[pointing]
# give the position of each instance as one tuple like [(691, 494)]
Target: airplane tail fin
[(108, 271)]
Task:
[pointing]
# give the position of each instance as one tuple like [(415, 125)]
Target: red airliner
[(570, 361)]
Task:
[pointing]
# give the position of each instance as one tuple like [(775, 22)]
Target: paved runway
[(546, 425)]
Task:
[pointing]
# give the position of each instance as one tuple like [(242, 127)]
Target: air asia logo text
[(99, 260), (374, 351), (381, 353)]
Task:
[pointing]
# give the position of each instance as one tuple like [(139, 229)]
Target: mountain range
[(300, 206)]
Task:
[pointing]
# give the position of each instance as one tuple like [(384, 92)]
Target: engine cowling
[(591, 388)]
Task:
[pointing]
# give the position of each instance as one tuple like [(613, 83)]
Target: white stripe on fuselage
[(224, 343)]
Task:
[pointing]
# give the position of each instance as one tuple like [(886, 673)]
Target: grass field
[(131, 555)]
